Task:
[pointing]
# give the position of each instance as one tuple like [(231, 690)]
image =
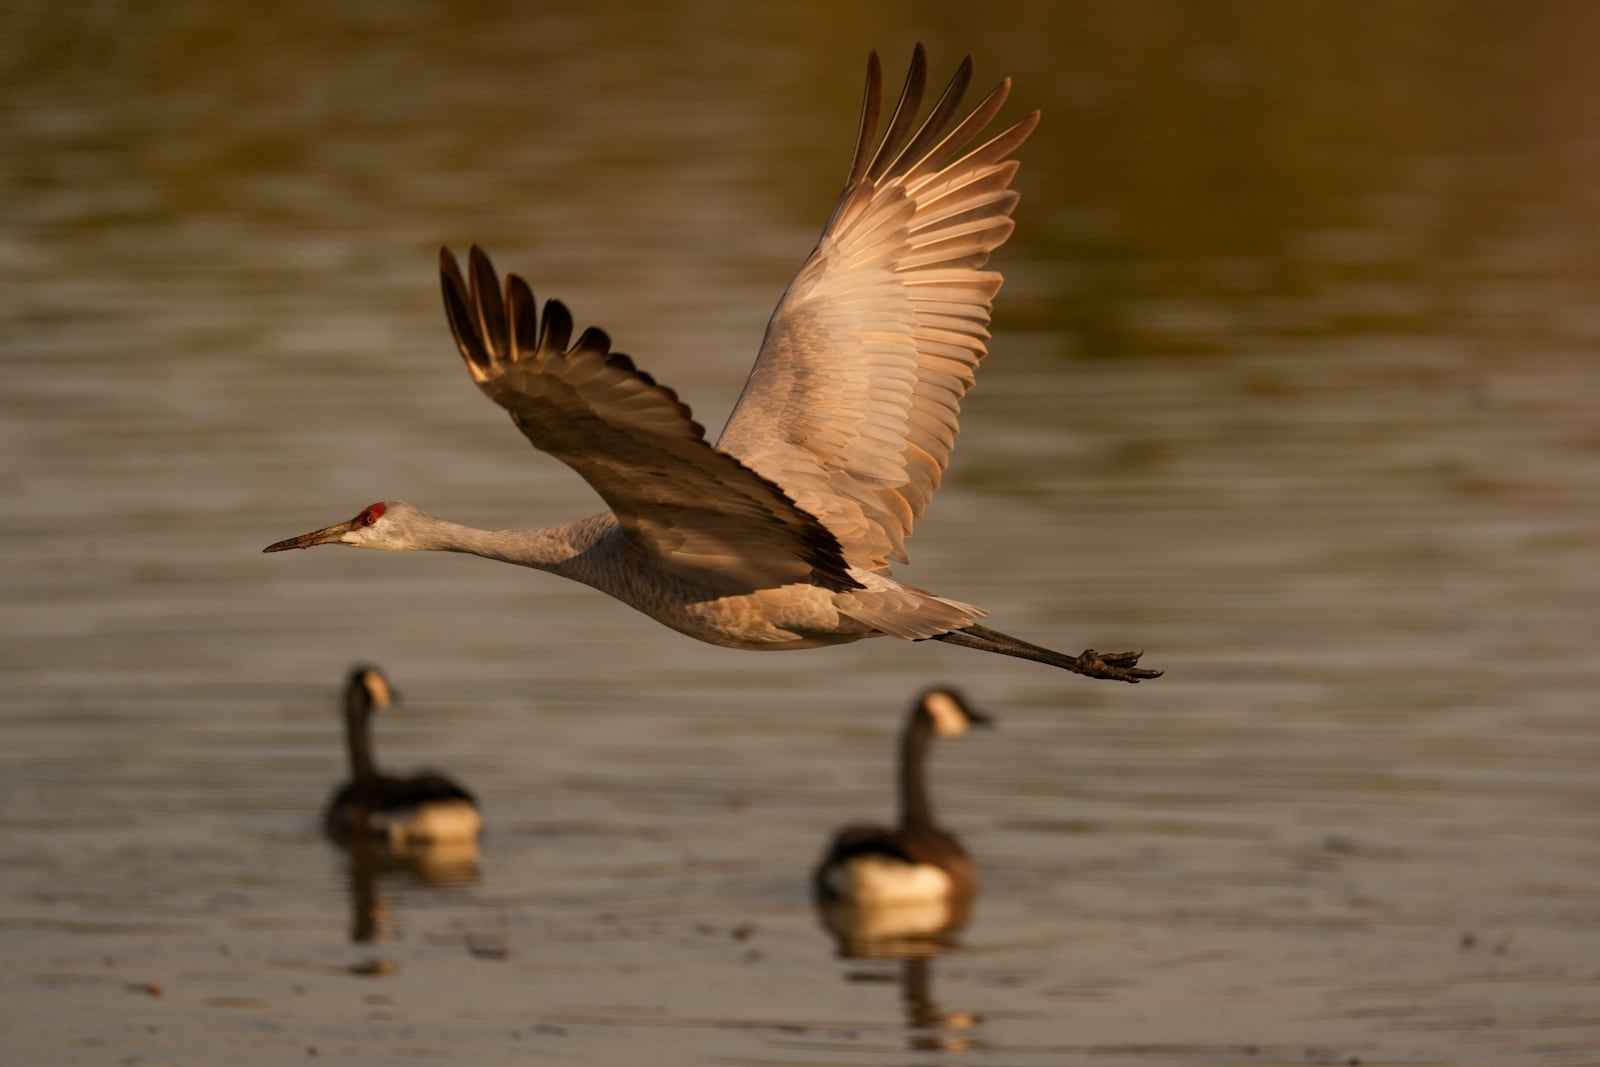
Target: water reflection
[(930, 1028), (933, 1028), (371, 864), (906, 929)]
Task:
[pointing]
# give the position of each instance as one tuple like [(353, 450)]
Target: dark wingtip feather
[(557, 331), (523, 310), (486, 300), (593, 337), (867, 129), (944, 109), (458, 311), (905, 114)]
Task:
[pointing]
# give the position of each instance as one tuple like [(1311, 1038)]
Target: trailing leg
[(1118, 666)]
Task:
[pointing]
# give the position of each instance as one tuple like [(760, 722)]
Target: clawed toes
[(1119, 666)]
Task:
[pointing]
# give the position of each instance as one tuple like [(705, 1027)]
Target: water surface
[(1293, 384)]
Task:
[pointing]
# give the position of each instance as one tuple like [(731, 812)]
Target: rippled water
[(1294, 385)]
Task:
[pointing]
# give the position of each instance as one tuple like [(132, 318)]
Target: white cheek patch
[(378, 686), (948, 718), (879, 880)]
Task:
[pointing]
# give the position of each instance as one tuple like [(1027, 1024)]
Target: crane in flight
[(780, 535)]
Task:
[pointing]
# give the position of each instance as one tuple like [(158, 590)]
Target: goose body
[(914, 862), (424, 809), (781, 535)]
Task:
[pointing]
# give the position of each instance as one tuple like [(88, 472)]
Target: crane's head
[(388, 524)]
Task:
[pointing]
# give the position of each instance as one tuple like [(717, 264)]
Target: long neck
[(563, 550), (358, 736), (915, 810)]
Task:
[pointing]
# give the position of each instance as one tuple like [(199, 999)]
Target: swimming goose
[(916, 862), (426, 808)]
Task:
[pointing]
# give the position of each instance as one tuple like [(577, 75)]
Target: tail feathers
[(1118, 666), (904, 611)]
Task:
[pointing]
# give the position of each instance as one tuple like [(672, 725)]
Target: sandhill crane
[(780, 535), (916, 861), (424, 808)]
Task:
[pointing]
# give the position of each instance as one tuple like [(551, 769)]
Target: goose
[(779, 536), (424, 809), (916, 862)]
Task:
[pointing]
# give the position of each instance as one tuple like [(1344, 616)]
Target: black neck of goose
[(915, 810), (358, 734)]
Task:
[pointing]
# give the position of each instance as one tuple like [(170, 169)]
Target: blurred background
[(1293, 384)]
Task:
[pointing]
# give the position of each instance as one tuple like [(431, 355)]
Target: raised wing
[(631, 439), (853, 403)]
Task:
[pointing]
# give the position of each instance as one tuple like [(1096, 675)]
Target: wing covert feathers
[(693, 507)]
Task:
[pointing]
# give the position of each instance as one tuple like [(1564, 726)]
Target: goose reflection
[(932, 1029), (929, 1028), (902, 890), (372, 865)]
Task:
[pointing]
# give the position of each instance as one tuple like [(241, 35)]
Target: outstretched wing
[(631, 439), (853, 403)]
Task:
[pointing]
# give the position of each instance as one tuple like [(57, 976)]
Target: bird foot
[(1118, 666)]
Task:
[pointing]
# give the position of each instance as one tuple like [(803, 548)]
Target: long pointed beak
[(326, 536)]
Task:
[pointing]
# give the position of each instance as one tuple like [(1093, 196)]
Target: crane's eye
[(371, 515)]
